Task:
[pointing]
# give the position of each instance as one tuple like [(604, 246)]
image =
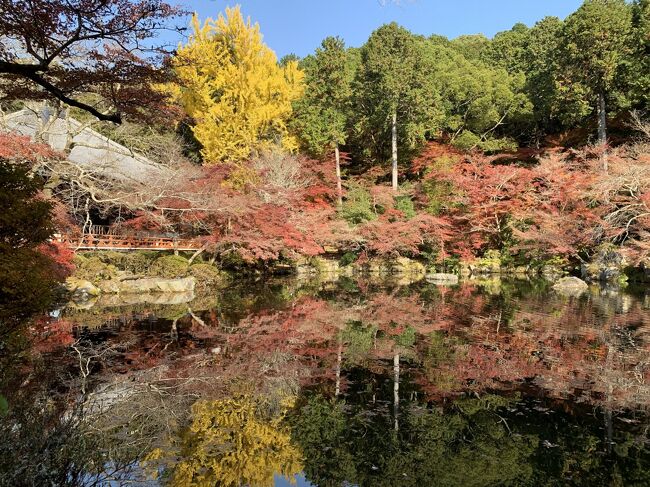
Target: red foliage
[(264, 233), (51, 335), (61, 258), (434, 151), (19, 148), (544, 207), (389, 235)]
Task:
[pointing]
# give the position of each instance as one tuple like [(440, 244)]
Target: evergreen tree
[(321, 115), (639, 78), (595, 47), (478, 102), (394, 94)]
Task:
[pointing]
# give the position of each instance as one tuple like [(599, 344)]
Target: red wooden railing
[(105, 238)]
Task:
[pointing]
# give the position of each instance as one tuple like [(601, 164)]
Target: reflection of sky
[(297, 481)]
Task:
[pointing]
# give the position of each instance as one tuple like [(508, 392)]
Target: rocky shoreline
[(126, 274)]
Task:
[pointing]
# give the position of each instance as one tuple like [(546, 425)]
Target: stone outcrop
[(83, 290), (442, 279), (607, 265), (80, 289), (399, 266), (404, 265), (570, 286), (149, 285)]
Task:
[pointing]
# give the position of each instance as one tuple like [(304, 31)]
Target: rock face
[(442, 279), (81, 289), (606, 266), (326, 266), (152, 285), (329, 268), (570, 286), (158, 298)]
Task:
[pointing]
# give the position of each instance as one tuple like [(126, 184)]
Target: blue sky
[(298, 26)]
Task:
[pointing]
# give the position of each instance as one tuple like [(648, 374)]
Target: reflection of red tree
[(49, 336), (595, 348), (585, 348)]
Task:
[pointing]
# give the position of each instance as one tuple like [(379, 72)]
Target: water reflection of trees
[(230, 442), (475, 441), (400, 385)]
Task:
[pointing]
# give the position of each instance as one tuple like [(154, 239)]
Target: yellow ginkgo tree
[(231, 85)]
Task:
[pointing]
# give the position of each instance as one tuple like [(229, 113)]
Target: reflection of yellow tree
[(230, 443)]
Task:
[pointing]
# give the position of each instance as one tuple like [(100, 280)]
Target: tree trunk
[(196, 254), (602, 127), (394, 137), (339, 358), (339, 188), (396, 390)]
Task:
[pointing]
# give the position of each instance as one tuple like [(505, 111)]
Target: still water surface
[(287, 382)]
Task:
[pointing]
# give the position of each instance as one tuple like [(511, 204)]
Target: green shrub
[(169, 266), (357, 207), (467, 140), (137, 262), (405, 205), (406, 338), (206, 275), (93, 269), (78, 260), (438, 195), (348, 258), (498, 145), (111, 257)]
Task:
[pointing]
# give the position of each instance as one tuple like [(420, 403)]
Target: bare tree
[(68, 50)]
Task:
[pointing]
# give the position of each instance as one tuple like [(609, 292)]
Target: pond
[(349, 382)]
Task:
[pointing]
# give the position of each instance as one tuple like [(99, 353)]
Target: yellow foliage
[(230, 443), (234, 89)]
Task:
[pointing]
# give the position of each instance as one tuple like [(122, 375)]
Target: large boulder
[(570, 286), (128, 299), (442, 279), (157, 285), (607, 265), (81, 289), (111, 286)]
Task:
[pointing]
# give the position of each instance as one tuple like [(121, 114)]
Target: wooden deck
[(103, 238)]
